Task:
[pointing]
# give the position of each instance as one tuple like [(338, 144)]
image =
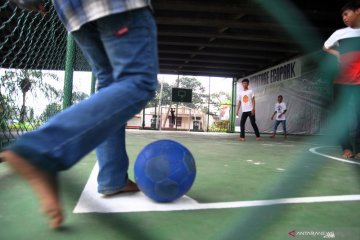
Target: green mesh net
[(31, 41), (33, 55), (33, 50)]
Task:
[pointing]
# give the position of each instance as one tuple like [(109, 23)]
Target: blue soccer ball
[(164, 170)]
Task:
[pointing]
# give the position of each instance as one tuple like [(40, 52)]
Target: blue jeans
[(277, 123), (126, 66)]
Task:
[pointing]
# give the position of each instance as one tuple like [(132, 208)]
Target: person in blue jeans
[(118, 38)]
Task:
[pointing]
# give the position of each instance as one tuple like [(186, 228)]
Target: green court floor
[(227, 171)]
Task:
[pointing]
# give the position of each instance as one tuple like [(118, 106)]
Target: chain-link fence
[(34, 49), (30, 46)]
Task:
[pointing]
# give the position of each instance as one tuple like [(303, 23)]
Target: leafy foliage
[(220, 98), (198, 93), (50, 110), (200, 97), (220, 126), (17, 83), (78, 97)]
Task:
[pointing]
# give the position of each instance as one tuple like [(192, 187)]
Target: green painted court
[(228, 171)]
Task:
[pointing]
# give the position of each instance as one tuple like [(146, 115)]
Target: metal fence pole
[(208, 117), (93, 83), (233, 105), (143, 118), (177, 105), (69, 70)]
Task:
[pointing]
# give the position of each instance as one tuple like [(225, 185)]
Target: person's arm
[(332, 52), (238, 108), (272, 117), (30, 5), (253, 103), (280, 115)]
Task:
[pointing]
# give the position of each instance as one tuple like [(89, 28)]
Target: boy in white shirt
[(280, 110), (344, 44), (247, 104)]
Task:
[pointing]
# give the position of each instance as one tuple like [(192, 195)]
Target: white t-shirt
[(279, 109), (347, 42), (348, 32), (246, 100)]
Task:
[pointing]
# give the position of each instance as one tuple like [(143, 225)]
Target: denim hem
[(41, 162), (110, 190)]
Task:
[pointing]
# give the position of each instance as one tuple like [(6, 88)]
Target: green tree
[(50, 110), (35, 81), (5, 111), (165, 96), (54, 108), (31, 114), (220, 98), (78, 97), (25, 85), (198, 93)]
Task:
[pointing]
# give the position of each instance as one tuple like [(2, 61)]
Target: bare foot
[(357, 156), (241, 139), (258, 139), (347, 153), (130, 187), (43, 184)]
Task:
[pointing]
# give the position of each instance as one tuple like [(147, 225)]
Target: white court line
[(91, 201), (314, 150)]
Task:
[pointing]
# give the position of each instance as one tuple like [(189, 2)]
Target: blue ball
[(164, 170)]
